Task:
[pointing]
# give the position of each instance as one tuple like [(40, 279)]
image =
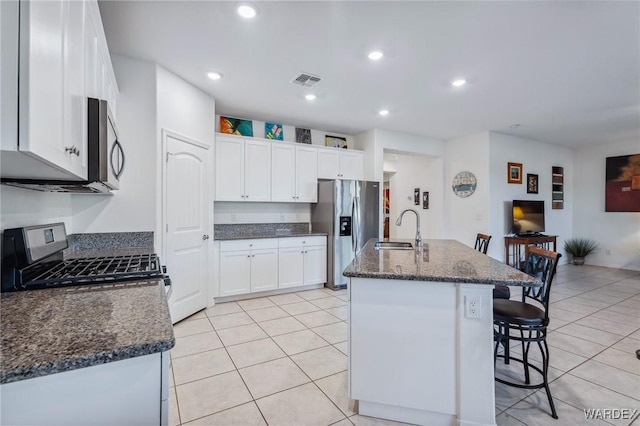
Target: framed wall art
[(236, 126), (532, 184), (303, 135), (335, 141), (273, 131), (514, 173), (622, 186)]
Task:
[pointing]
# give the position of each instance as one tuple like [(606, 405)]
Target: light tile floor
[(282, 360)]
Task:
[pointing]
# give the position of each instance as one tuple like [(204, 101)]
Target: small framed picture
[(416, 196), (514, 173), (335, 141), (425, 200), (532, 184)]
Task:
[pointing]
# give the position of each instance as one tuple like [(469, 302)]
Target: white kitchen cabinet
[(248, 266), (294, 174), (243, 170), (131, 391), (291, 267), (334, 163), (302, 260), (50, 54), (306, 174)]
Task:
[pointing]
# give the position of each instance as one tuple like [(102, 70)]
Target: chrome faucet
[(399, 222)]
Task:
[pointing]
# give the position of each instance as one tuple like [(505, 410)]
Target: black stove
[(32, 259)]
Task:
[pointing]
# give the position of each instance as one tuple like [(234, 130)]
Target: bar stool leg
[(545, 370)]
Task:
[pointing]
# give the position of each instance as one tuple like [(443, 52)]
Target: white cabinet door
[(264, 270), (235, 273), (229, 169), (75, 101), (351, 165), (283, 173), (257, 170), (328, 164), (315, 265), (290, 267), (306, 174), (92, 69)]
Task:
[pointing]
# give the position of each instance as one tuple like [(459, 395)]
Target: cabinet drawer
[(302, 241), (237, 245)]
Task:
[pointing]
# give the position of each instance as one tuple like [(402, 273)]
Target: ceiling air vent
[(306, 80)]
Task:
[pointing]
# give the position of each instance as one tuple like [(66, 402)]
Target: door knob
[(205, 237)]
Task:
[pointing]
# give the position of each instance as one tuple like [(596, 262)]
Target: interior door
[(187, 224)]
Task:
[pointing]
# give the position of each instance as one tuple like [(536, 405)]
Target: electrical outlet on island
[(472, 307)]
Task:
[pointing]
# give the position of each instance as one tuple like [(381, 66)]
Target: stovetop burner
[(91, 270)]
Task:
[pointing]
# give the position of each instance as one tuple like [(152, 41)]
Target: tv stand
[(516, 248)]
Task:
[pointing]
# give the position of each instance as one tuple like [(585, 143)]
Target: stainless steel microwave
[(105, 160)]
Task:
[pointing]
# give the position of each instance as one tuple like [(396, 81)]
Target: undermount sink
[(392, 245)]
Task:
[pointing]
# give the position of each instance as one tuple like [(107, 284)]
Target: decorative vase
[(578, 260)]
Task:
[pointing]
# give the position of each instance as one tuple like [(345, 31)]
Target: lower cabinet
[(302, 261), (248, 266)]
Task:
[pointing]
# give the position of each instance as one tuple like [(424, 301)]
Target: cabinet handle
[(73, 150), (248, 255), (253, 255), (302, 252)]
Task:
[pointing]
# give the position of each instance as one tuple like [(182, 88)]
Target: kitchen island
[(421, 332)]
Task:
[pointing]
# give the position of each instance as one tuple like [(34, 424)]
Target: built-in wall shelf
[(557, 194)]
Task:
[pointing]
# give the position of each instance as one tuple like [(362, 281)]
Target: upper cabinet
[(294, 173), (334, 163), (53, 51), (243, 169)]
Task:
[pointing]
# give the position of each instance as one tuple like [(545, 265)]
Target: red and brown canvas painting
[(622, 190)]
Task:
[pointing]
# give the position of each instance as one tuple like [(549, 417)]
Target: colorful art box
[(273, 131), (236, 126), (622, 186)]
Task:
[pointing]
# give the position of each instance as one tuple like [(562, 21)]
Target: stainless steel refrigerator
[(347, 210)]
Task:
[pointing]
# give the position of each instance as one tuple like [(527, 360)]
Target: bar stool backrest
[(541, 264), (482, 243)]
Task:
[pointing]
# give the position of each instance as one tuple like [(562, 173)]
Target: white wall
[(537, 158), (24, 207), (468, 216), (376, 142), (617, 232), (133, 206), (228, 212), (415, 171)]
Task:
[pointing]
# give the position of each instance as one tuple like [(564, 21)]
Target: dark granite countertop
[(439, 260), (55, 330), (251, 235)]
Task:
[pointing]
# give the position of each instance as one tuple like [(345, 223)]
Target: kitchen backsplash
[(110, 240), (220, 231)]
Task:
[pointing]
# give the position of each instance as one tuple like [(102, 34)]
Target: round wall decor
[(464, 184)]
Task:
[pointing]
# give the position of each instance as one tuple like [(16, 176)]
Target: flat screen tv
[(528, 217)]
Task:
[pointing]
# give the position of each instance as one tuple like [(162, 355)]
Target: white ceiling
[(567, 72)]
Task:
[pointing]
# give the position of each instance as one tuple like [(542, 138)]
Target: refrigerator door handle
[(356, 220), (354, 243)]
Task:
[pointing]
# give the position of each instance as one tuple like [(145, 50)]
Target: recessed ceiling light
[(310, 97), (459, 82), (383, 112), (375, 55), (247, 11), (214, 75)]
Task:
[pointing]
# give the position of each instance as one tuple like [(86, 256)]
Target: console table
[(516, 249)]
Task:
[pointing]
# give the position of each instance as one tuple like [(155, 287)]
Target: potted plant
[(579, 248)]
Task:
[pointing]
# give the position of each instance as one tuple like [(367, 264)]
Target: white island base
[(414, 355)]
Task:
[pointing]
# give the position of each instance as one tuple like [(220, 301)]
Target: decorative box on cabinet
[(248, 266), (557, 194), (243, 169), (335, 163)]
